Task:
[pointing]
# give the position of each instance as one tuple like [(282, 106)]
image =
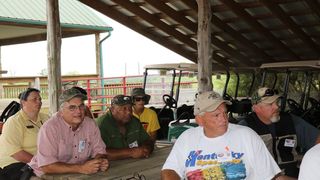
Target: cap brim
[(216, 105), (269, 99), (83, 97)]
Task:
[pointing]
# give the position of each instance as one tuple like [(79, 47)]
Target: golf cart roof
[(194, 68), (293, 65), (174, 66)]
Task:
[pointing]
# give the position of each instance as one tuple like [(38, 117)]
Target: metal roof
[(25, 20), (244, 32)]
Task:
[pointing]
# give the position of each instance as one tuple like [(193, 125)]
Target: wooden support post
[(54, 54), (204, 46), (0, 63), (97, 45)]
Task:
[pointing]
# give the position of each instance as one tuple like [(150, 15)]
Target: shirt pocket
[(64, 151), (87, 152)]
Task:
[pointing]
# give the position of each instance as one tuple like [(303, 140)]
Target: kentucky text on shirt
[(196, 156)]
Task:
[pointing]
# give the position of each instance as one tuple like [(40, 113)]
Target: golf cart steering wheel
[(169, 101), (293, 105), (314, 102)]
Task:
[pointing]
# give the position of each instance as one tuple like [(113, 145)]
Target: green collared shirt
[(110, 133)]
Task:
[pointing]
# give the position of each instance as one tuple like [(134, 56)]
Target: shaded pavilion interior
[(244, 32)]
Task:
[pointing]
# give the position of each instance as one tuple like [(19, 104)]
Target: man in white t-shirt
[(309, 168), (217, 149)]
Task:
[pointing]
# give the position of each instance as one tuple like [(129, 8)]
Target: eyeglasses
[(139, 99), (72, 108)]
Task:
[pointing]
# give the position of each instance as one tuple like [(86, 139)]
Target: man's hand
[(91, 166), (104, 165), (140, 152)]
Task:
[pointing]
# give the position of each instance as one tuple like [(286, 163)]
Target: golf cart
[(172, 88), (298, 83)]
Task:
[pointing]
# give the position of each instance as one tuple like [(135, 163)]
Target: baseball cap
[(69, 94), (265, 95), (121, 100), (208, 101)]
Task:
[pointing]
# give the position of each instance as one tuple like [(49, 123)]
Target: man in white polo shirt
[(217, 149)]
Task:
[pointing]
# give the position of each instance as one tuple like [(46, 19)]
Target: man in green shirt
[(122, 133)]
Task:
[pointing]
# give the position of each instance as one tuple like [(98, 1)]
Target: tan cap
[(208, 102), (265, 95)]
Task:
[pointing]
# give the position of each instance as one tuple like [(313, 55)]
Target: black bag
[(27, 172), (10, 110)]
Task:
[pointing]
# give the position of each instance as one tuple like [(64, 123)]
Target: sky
[(123, 53)]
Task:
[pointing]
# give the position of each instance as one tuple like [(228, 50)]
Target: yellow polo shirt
[(149, 120), (19, 133)]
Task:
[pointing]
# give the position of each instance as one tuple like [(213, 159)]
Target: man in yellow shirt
[(147, 117), (19, 134)]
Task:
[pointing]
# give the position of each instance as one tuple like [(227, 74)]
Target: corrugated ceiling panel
[(72, 12)]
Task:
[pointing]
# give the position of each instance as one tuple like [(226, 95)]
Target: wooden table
[(124, 169)]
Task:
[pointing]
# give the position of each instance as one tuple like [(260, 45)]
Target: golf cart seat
[(241, 107), (185, 112), (165, 116)]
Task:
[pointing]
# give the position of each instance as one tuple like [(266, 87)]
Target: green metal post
[(102, 72)]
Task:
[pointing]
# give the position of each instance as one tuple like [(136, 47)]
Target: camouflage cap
[(68, 94), (265, 95), (208, 101), (121, 100)]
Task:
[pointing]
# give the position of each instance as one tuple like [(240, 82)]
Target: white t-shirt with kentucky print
[(238, 154)]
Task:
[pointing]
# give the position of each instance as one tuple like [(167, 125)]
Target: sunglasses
[(270, 92), (140, 99), (256, 98)]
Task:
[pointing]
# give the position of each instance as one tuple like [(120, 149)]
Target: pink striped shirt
[(58, 143)]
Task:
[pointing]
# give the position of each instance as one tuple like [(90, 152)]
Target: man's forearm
[(168, 174), (22, 156), (318, 140), (59, 168), (115, 154)]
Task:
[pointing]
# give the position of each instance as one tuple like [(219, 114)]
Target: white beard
[(275, 118)]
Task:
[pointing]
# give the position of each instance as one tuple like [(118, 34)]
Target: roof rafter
[(190, 25), (249, 20), (234, 53), (290, 24), (173, 14), (221, 45), (216, 21), (132, 7), (131, 23)]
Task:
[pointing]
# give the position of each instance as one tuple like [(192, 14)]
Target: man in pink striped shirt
[(69, 142)]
